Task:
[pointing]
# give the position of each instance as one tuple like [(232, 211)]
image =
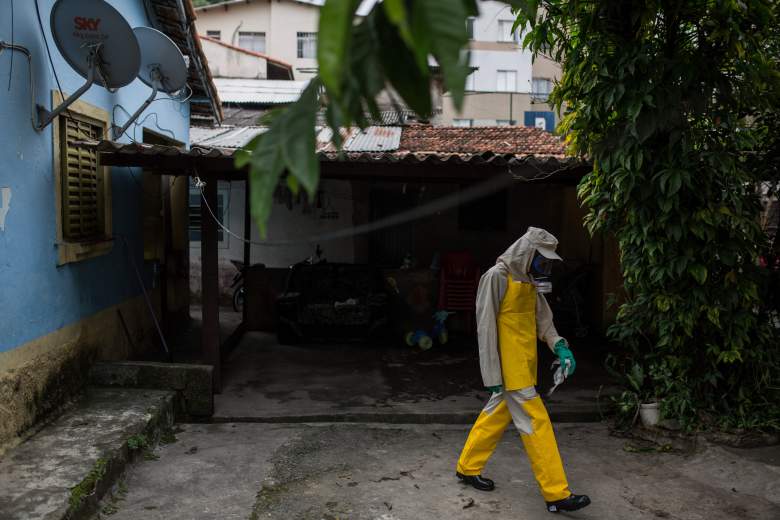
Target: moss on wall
[(38, 378)]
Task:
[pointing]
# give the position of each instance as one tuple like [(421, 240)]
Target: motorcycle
[(238, 286)]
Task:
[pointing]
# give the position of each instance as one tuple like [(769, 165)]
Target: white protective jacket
[(492, 286)]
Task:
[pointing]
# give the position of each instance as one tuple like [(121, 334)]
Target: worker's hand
[(495, 389), (563, 353)]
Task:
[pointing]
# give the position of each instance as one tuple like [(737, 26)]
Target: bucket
[(650, 413)]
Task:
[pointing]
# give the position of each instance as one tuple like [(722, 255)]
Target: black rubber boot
[(477, 482), (570, 503)]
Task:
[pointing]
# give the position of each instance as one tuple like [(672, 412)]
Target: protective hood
[(517, 258)]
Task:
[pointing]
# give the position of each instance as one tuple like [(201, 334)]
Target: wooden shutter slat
[(80, 180)]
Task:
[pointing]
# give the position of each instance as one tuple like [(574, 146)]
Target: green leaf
[(333, 41), (266, 168), (439, 28), (298, 139), (699, 272), (397, 13), (399, 65)]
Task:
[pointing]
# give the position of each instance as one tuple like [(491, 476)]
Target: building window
[(541, 88), (505, 122), (463, 122), (485, 214), (307, 45), (220, 211), (83, 187), (217, 35), (252, 41), (505, 32), (506, 81), (471, 81), (470, 27)]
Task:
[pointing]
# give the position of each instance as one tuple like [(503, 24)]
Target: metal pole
[(210, 281), (247, 243), (48, 117), (118, 133)]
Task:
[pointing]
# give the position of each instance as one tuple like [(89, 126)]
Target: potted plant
[(638, 399)]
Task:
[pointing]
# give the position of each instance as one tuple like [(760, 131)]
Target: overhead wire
[(444, 203), (11, 68)]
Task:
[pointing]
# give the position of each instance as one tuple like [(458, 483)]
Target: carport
[(414, 157)]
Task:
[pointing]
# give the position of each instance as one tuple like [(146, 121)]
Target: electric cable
[(48, 51), (146, 295), (444, 203), (11, 68)]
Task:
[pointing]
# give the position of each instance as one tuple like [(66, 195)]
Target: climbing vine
[(667, 99)]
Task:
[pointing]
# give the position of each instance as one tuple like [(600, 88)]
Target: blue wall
[(36, 296)]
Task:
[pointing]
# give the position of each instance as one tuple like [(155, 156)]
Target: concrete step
[(63, 470)]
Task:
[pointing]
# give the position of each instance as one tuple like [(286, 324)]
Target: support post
[(247, 244), (210, 281)]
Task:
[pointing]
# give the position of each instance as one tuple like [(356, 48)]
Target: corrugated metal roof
[(511, 141), (374, 139), (223, 136), (259, 91)]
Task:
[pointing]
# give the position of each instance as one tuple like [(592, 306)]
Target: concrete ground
[(265, 381), (395, 472), (46, 477)]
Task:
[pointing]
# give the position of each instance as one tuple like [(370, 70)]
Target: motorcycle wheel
[(238, 299)]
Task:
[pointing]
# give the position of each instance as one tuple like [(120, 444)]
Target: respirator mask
[(541, 267)]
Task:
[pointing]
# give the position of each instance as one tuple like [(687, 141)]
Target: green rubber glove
[(495, 389), (563, 353)]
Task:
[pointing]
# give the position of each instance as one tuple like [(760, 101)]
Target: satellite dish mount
[(156, 84), (45, 117), (98, 43), (163, 68)]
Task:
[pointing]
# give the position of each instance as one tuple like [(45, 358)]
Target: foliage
[(667, 99), (88, 485), (359, 59), (138, 441)]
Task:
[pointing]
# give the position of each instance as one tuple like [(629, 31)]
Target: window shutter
[(81, 183)]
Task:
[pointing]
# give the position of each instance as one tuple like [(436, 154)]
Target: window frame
[(253, 34), (300, 44), (498, 74), (457, 122), (536, 94), (511, 36), (69, 251), (223, 202), (471, 82), (470, 26), (214, 34)]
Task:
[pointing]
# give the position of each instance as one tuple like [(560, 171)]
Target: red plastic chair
[(458, 282)]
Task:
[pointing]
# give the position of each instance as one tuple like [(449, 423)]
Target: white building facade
[(508, 86)]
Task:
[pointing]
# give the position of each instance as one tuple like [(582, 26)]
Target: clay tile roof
[(478, 140)]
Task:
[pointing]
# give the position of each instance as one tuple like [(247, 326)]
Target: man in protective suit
[(511, 315)]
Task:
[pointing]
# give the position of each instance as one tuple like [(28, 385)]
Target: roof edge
[(248, 52)]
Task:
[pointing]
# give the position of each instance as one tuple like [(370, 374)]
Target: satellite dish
[(160, 54), (97, 42), (163, 68)]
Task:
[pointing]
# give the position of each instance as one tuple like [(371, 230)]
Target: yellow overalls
[(516, 322)]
